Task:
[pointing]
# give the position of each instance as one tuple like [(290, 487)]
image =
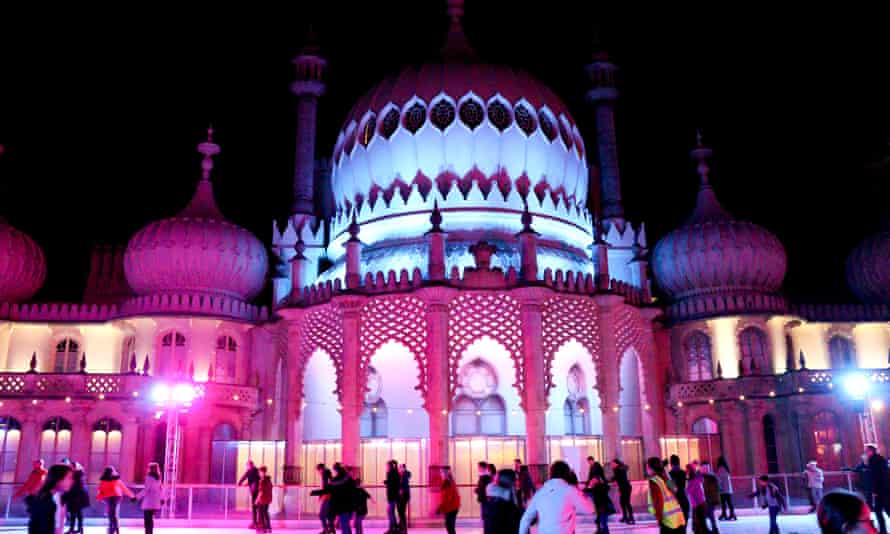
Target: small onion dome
[(22, 265), (868, 268), (197, 251), (714, 255)]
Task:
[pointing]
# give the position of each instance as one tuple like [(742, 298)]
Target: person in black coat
[(45, 508), (598, 488), (481, 485), (251, 476), (75, 500), (678, 475), (392, 483), (502, 511), (880, 480), (343, 498), (404, 496), (620, 478)]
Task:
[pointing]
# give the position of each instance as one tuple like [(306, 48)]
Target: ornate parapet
[(112, 386), (171, 304), (802, 382), (842, 312)]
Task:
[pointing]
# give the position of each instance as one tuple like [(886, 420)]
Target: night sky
[(100, 119)]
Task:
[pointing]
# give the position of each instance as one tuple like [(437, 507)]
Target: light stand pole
[(175, 399)]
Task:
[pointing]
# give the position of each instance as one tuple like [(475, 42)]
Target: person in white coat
[(151, 496), (815, 479), (556, 504)]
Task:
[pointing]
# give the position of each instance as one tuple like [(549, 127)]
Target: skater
[(449, 500), (598, 487), (111, 490), (361, 505), (724, 477), (34, 481), (556, 504), (525, 486), (662, 501), (150, 497), (481, 485), (620, 478), (404, 497), (324, 499), (502, 508), (844, 512), (251, 477), (392, 484), (342, 489), (263, 500), (814, 479), (771, 498), (678, 477), (880, 481), (45, 506), (76, 499)]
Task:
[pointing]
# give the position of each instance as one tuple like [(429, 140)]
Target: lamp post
[(858, 386), (175, 398)]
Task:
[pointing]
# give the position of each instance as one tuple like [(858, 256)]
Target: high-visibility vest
[(672, 514)]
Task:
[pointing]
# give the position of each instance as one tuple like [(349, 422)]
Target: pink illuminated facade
[(470, 307)]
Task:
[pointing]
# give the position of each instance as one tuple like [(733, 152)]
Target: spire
[(602, 96), (203, 205), (308, 86), (707, 207), (456, 45)]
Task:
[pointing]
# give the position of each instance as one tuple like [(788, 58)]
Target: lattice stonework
[(12, 384), (475, 315), (322, 329), (103, 384), (566, 319), (629, 332), (401, 319)]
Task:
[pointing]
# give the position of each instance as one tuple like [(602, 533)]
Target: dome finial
[(456, 44), (701, 153), (209, 149)]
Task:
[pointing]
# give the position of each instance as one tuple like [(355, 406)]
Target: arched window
[(224, 455), (499, 115), (705, 425), (415, 116), (225, 362), (173, 353), (67, 356), (577, 417), (390, 123), (699, 364), (547, 126), (128, 349), (442, 114), (10, 436), (471, 113), (106, 446), (525, 119), (479, 417), (827, 441), (373, 420), (366, 133), (841, 351), (752, 344), (55, 440)]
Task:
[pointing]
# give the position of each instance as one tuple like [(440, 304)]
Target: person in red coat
[(449, 503), (263, 500), (34, 481)]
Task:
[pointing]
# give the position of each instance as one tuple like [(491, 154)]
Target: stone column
[(531, 301), (293, 414), (603, 95), (438, 392), (307, 88), (129, 443), (29, 446), (608, 377), (652, 401), (755, 446), (352, 388), (81, 437)]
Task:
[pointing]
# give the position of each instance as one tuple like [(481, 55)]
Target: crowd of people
[(58, 496), (509, 501)]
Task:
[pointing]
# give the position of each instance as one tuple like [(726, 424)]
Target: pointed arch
[(321, 330), (568, 319), (394, 319)]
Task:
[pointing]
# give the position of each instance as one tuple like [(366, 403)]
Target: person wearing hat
[(814, 479)]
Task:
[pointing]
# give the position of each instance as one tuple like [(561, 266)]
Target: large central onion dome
[(197, 252), (479, 140), (868, 268), (22, 265), (715, 263)]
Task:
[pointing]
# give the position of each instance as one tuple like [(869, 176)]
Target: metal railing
[(217, 501)]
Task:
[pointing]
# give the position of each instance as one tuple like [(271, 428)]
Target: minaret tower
[(307, 87), (602, 96)]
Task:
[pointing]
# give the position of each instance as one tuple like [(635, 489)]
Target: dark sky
[(101, 109)]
